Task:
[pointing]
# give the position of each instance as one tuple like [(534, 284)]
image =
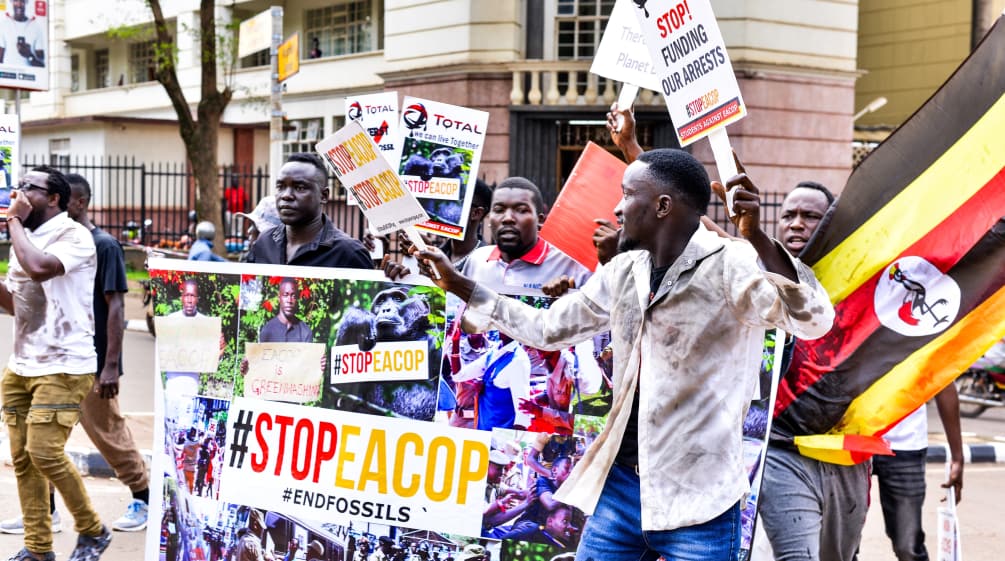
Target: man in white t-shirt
[(22, 38), (49, 291), (902, 476)]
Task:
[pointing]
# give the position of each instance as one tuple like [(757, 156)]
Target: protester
[(49, 290), (249, 545), (362, 549), (308, 237), (458, 250), (286, 326), (202, 247), (100, 415), (672, 465), (901, 477)]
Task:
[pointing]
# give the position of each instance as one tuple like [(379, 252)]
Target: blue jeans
[(614, 532), (902, 494)]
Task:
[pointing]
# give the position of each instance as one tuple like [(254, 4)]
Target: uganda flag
[(913, 257)]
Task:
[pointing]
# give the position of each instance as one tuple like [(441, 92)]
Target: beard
[(626, 244)]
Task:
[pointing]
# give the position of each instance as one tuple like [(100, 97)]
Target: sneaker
[(135, 518), (25, 555), (16, 525), (90, 548)]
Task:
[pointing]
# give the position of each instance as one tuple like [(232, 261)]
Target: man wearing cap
[(385, 551), (362, 549), (249, 545), (202, 247), (308, 238), (473, 552), (315, 551), (498, 496)]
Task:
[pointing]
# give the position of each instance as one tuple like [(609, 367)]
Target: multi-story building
[(524, 61)]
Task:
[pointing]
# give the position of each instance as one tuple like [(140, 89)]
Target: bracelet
[(18, 218)]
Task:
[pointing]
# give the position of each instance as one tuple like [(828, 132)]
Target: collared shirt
[(53, 319), (541, 264), (275, 331), (331, 248), (694, 349)]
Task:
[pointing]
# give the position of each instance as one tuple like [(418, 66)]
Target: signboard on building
[(255, 34), (289, 57), (24, 45), (690, 59)]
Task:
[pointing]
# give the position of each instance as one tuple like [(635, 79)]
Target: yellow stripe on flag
[(950, 181), (927, 370)]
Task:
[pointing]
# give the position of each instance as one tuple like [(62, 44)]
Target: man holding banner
[(687, 311)]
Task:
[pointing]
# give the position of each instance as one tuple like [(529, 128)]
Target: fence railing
[(153, 204)]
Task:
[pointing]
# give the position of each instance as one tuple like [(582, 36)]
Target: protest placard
[(352, 155), (342, 466), (592, 191), (378, 113), (690, 58), (440, 150), (404, 360), (623, 55), (188, 344), (9, 161), (284, 371)]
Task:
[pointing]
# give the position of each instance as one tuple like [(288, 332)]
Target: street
[(983, 493)]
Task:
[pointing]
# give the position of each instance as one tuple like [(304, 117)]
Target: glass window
[(74, 73), (339, 29), (579, 25), (300, 135), (102, 77), (142, 61)]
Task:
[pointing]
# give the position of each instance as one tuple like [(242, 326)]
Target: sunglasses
[(25, 187)]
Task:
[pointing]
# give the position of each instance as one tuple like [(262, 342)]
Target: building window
[(261, 58), (143, 61), (59, 152), (579, 25), (102, 77), (74, 73), (301, 136), (339, 29)]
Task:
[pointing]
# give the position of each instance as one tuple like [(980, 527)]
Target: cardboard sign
[(284, 371), (623, 55), (378, 113), (289, 57), (336, 466), (695, 75), (356, 161), (440, 150), (188, 344), (592, 191)]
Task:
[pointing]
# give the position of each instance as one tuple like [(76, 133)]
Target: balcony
[(566, 82)]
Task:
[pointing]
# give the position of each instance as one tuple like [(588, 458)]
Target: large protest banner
[(24, 39), (440, 151), (695, 75), (366, 443)]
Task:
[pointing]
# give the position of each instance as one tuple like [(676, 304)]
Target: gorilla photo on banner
[(427, 160), (385, 350)]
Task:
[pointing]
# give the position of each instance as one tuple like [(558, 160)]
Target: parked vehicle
[(983, 384)]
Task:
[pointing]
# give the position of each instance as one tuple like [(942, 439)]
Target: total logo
[(914, 298), (414, 116), (355, 111)]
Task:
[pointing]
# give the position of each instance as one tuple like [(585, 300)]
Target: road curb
[(984, 453), (136, 325), (89, 461)]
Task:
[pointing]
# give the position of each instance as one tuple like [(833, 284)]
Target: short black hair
[(680, 173), (56, 184), (483, 194), (192, 281), (314, 160), (288, 280), (527, 185), (79, 182), (816, 187)]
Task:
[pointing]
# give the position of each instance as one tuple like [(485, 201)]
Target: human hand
[(621, 125), (605, 239), (19, 207), (24, 49), (448, 278), (530, 407), (107, 384), (955, 479), (746, 201), (557, 287), (393, 269), (244, 367), (324, 363)]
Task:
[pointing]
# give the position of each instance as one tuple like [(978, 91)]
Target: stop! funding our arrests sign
[(689, 56)]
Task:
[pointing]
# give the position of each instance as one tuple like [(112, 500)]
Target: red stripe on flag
[(855, 320)]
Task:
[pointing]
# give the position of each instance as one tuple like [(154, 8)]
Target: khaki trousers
[(109, 432)]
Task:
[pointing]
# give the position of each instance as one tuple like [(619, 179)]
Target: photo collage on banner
[(305, 415), (543, 409)]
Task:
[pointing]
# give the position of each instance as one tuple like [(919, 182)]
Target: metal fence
[(153, 203)]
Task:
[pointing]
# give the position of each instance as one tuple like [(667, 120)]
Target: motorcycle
[(983, 385), (148, 306)]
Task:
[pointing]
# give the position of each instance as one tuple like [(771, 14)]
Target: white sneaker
[(16, 525), (135, 518)]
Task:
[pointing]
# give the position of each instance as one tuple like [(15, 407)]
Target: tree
[(200, 132)]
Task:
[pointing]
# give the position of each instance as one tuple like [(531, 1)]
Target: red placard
[(592, 191)]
